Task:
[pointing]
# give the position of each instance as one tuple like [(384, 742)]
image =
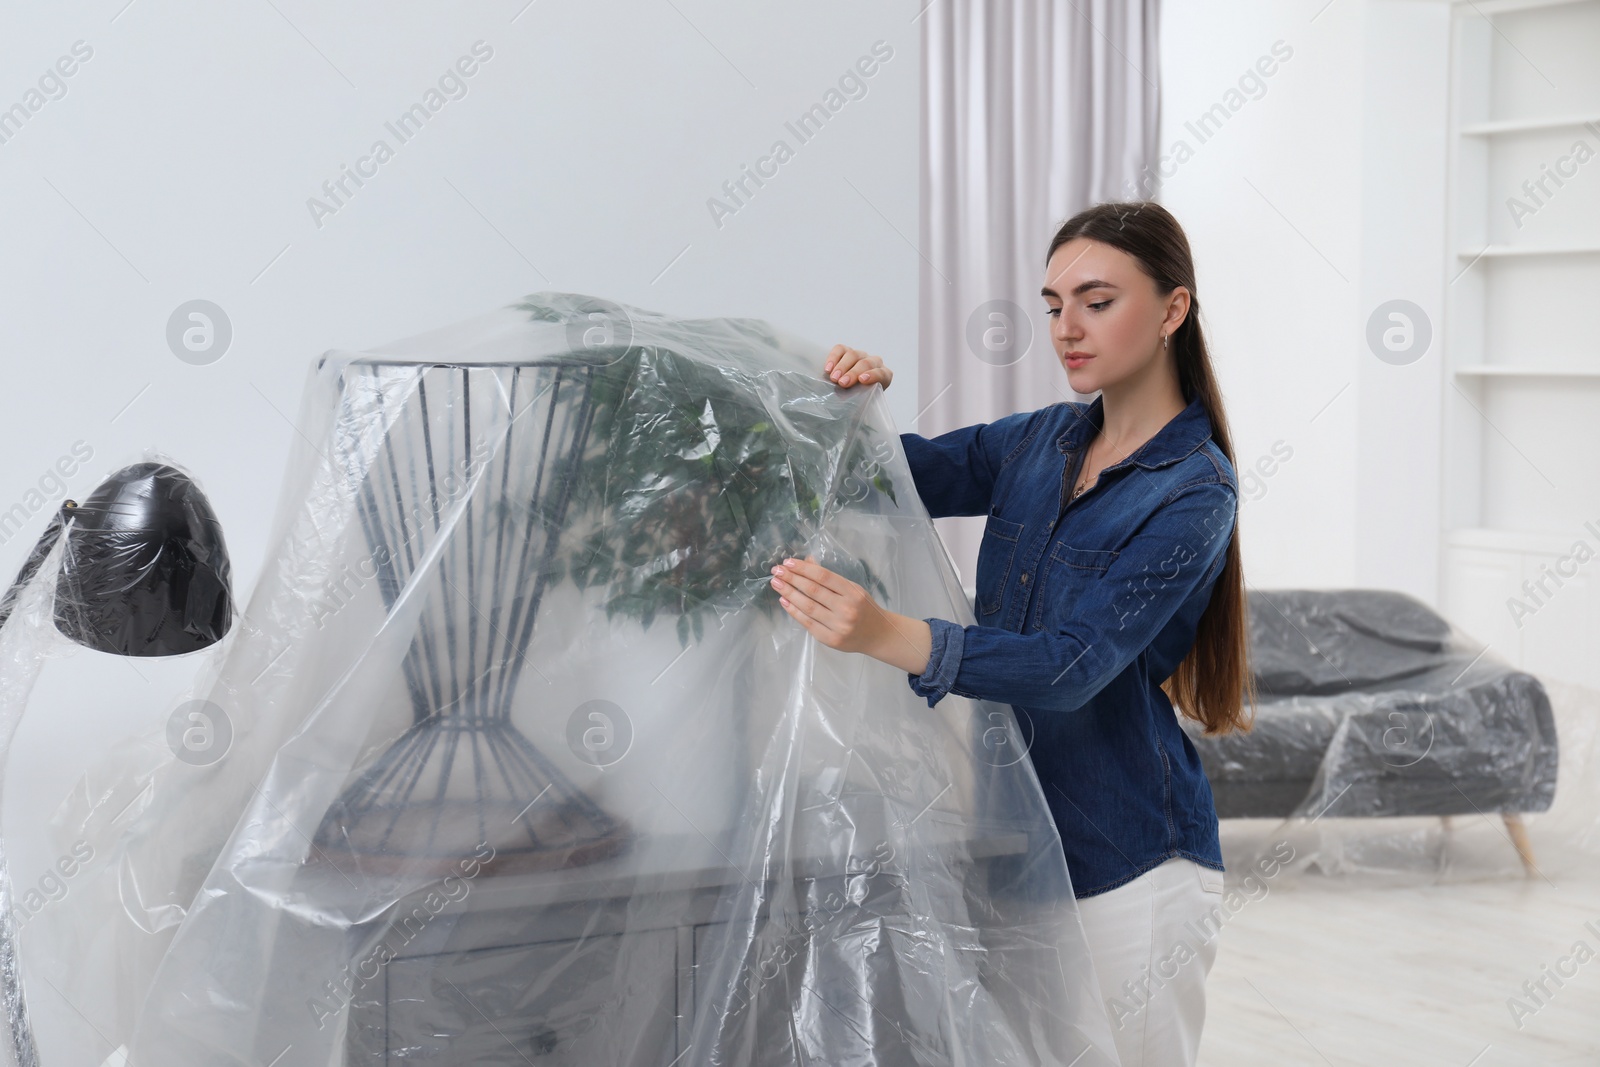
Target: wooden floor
[(1404, 941), (1343, 969)]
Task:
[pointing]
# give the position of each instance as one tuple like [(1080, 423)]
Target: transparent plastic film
[(526, 764), (27, 640), (136, 570), (1391, 746)]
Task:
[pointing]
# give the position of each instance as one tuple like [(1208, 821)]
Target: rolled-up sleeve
[(935, 681), (1178, 551)]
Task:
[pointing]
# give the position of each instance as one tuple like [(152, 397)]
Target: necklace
[(1083, 484), (1088, 452)]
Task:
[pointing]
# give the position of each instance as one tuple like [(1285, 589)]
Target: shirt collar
[(1184, 433)]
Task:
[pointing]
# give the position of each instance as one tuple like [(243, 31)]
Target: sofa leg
[(1519, 838)]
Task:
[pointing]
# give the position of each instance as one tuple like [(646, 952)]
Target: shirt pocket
[(996, 554), (1071, 574)]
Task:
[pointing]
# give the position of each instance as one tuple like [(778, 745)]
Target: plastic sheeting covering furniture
[(525, 765), (1372, 704), (142, 571)]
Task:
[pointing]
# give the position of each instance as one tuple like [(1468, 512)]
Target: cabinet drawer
[(602, 1000), (822, 999)]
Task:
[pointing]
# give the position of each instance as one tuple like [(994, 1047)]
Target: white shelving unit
[(1521, 498)]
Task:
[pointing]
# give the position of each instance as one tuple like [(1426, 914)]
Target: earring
[(1163, 340)]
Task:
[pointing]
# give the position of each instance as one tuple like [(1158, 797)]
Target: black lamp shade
[(144, 571)]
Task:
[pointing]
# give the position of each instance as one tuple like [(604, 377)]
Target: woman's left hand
[(842, 615)]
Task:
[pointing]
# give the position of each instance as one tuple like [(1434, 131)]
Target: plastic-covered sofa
[(1369, 703)]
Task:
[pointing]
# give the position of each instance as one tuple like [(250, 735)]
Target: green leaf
[(647, 495)]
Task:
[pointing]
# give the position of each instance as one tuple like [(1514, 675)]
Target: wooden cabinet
[(598, 965), (552, 1004)]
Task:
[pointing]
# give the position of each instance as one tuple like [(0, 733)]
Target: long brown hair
[(1214, 680)]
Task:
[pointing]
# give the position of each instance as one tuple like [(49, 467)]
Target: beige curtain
[(1031, 111)]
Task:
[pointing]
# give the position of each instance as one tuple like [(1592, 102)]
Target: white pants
[(1153, 942)]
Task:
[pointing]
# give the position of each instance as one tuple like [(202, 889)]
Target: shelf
[(1541, 542), (1501, 251), (1490, 129), (1522, 367), (1502, 370), (1506, 7)]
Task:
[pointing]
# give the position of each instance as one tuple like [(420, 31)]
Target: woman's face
[(1106, 316)]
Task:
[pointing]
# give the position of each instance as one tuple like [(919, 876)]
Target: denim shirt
[(1083, 608)]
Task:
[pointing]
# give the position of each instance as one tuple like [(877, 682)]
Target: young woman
[(1109, 588)]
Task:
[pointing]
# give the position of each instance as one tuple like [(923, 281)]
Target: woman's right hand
[(849, 366)]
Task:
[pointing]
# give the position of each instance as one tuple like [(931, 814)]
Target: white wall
[(1318, 198), (179, 161), (1404, 255)]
